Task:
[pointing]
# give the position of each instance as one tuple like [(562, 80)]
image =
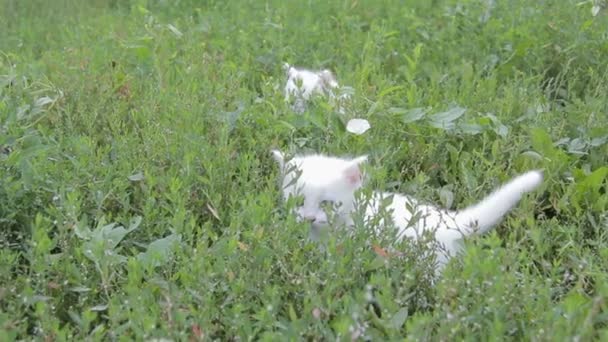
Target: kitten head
[(304, 83), (324, 183), (328, 78), (290, 71)]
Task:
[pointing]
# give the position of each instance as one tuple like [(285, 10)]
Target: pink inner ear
[(353, 175)]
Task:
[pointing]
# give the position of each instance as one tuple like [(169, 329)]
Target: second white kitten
[(302, 84)]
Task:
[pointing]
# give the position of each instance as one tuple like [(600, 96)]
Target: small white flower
[(358, 126)]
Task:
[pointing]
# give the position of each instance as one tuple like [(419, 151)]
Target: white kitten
[(303, 84), (323, 180)]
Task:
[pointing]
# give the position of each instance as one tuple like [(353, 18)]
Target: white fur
[(303, 84), (321, 178)]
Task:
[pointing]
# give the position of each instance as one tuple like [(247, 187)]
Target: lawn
[(139, 200)]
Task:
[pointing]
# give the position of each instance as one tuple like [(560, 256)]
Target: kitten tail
[(487, 213)]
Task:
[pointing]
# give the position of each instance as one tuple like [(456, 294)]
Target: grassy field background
[(138, 199)]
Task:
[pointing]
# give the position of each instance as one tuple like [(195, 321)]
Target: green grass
[(157, 116)]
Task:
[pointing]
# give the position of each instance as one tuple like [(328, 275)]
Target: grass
[(138, 199)]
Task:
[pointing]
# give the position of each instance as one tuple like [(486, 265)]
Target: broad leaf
[(159, 251), (445, 120), (409, 115)]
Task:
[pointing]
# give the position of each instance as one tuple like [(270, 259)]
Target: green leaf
[(82, 230), (499, 128), (338, 121), (159, 251), (447, 197), (399, 318), (587, 189), (541, 141), (377, 263), (292, 313), (409, 115), (595, 142), (532, 155), (577, 146), (287, 124), (112, 234), (594, 180), (471, 128), (103, 241), (389, 90), (445, 120), (135, 222)]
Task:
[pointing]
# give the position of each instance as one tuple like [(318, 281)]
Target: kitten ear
[(327, 73), (353, 173), (360, 160), (279, 157), (328, 78), (289, 70)]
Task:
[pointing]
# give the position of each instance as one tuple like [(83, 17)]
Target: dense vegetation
[(138, 199)]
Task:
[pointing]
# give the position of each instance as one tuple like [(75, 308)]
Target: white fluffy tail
[(487, 213)]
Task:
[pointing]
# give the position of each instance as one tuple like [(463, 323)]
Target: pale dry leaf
[(316, 313), (242, 246), (100, 307), (136, 177), (213, 211), (175, 31), (380, 251), (43, 101)]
